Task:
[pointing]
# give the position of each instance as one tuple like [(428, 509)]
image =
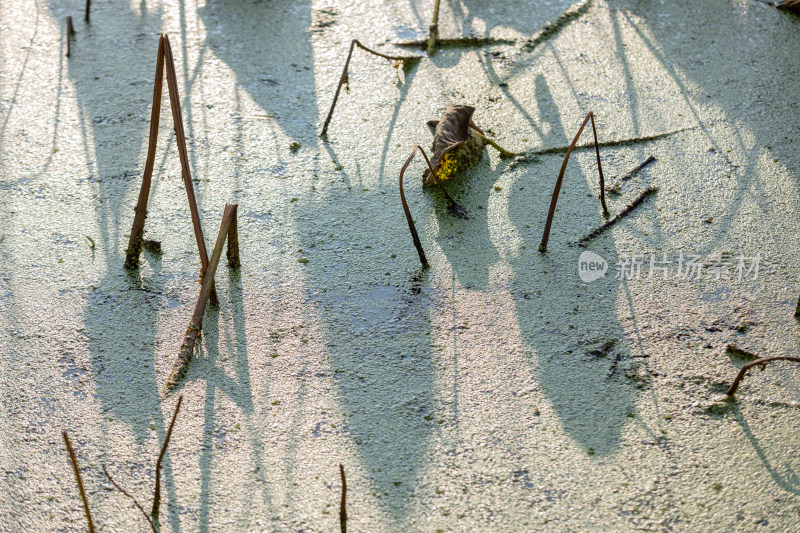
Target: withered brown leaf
[(456, 147)]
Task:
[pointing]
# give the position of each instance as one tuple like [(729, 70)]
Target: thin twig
[(758, 362), (193, 331), (343, 504), (88, 10), (434, 29), (135, 242), (70, 34), (613, 220), (411, 227), (180, 137), (157, 493), (80, 481), (503, 152), (344, 77), (557, 188), (126, 493)]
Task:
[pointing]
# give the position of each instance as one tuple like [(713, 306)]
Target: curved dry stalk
[(126, 493), (411, 227), (157, 494), (758, 362), (79, 480), (196, 324), (557, 188), (343, 78), (343, 504)]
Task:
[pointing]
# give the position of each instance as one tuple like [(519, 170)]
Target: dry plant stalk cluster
[(152, 518)]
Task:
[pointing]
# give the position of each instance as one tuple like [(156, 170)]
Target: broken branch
[(343, 78), (557, 188), (411, 227), (79, 480), (613, 220), (196, 324), (157, 493), (758, 362)]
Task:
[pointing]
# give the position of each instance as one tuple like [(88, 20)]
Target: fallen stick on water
[(343, 502), (157, 492), (70, 34), (193, 331), (557, 188), (613, 220), (762, 362), (79, 480), (126, 493), (164, 61), (344, 77)]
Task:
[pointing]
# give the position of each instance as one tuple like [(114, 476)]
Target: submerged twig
[(344, 77), (126, 493), (157, 492), (762, 362), (457, 42), (551, 28), (557, 188), (613, 220), (70, 34), (434, 29), (79, 480), (411, 227), (343, 501), (740, 352), (196, 324), (638, 168)]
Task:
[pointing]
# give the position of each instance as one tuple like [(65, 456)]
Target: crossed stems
[(557, 189), (344, 77), (135, 243), (227, 231)]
